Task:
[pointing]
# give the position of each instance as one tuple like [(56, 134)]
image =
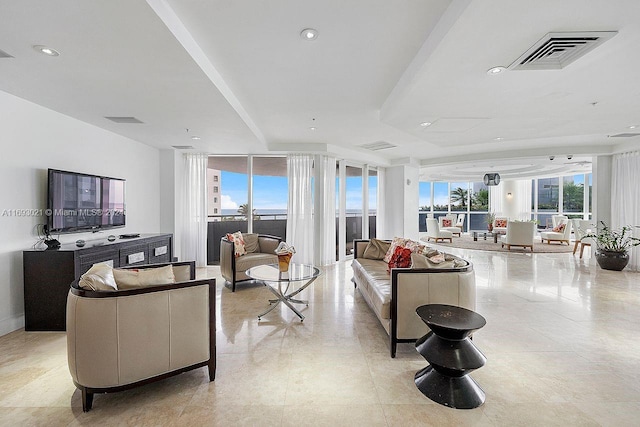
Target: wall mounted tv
[(81, 202)]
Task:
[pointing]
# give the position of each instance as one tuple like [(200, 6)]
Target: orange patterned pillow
[(559, 228), (446, 223), (501, 223)]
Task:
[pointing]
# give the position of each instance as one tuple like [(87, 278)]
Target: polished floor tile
[(560, 341)]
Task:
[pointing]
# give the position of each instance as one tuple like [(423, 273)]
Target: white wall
[(401, 202), (35, 139)]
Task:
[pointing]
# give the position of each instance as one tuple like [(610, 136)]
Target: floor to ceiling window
[(373, 201), (354, 206), (248, 194), (548, 197)]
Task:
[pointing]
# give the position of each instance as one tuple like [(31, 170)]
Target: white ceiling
[(238, 75)]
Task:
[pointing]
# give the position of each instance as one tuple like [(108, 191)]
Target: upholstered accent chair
[(519, 234), (233, 268), (121, 338), (557, 235), (580, 229), (434, 232), (452, 223)]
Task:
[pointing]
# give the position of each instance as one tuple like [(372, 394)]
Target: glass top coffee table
[(279, 283), (485, 234)]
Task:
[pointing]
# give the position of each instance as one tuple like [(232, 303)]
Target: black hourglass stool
[(451, 356)]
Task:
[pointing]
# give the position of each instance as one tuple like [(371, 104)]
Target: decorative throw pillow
[(98, 278), (134, 278), (251, 244), (401, 258), (501, 223), (446, 222), (397, 241), (376, 249), (238, 243), (559, 228)]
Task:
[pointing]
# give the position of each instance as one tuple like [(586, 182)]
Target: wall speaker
[(491, 179)]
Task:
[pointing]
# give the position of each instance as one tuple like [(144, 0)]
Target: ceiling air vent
[(557, 50), (624, 135), (4, 54), (376, 146), (124, 119), (183, 147)]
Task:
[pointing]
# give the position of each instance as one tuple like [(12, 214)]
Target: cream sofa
[(394, 297), (120, 339), (233, 268)]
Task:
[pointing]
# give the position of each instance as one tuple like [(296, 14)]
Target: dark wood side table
[(451, 356)]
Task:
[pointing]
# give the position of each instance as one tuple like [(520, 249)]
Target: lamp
[(491, 179), (509, 195)]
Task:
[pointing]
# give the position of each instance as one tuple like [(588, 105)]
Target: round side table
[(451, 356)]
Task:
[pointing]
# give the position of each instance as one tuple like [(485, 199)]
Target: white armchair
[(519, 233), (454, 224), (556, 219), (558, 235), (580, 229), (434, 232)]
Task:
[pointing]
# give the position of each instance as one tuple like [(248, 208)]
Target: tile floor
[(561, 341)]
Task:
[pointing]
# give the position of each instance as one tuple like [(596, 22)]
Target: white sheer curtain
[(625, 198), (299, 207), (325, 209), (523, 199), (381, 208), (194, 218), (495, 200)]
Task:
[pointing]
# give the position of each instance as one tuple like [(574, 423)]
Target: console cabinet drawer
[(159, 251), (138, 254)]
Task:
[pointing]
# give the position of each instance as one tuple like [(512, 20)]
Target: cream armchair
[(120, 339), (554, 236), (457, 223), (520, 234), (434, 232), (233, 268)]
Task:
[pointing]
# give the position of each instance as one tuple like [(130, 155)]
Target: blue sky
[(270, 192)]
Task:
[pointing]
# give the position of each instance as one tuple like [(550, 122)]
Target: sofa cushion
[(251, 244), (374, 274), (435, 261), (401, 258), (182, 273), (252, 260), (98, 278), (133, 278), (376, 249), (238, 243)]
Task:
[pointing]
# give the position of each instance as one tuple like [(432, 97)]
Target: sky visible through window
[(270, 193)]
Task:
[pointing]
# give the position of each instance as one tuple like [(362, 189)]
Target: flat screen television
[(79, 202)]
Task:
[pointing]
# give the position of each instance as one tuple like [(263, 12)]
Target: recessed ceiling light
[(425, 124), (46, 50), (309, 34), (495, 70), (195, 138), (312, 128), (633, 126), (499, 138)]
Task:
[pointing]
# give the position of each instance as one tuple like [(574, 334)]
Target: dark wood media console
[(48, 273)]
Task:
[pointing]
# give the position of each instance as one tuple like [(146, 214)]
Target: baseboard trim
[(11, 324)]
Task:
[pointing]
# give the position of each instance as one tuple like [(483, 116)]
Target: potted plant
[(613, 246), (490, 218)]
